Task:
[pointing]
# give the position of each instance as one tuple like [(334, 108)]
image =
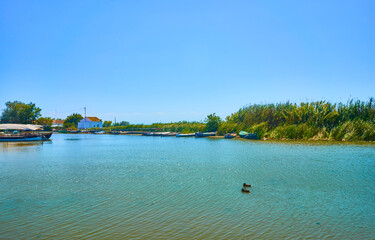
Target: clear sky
[(151, 61)]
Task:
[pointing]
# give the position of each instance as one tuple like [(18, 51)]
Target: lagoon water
[(114, 186)]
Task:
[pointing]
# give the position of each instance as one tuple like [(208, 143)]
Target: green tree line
[(351, 121)]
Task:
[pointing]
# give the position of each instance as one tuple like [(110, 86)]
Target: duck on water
[(244, 186)]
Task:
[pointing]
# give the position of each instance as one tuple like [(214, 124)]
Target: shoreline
[(325, 141)]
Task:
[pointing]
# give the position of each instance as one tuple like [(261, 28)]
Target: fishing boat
[(23, 133), (204, 134), (185, 135), (230, 135)]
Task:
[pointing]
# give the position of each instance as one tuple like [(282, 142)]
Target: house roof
[(58, 121), (94, 119)]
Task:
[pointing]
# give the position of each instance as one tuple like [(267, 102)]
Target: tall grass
[(354, 120)]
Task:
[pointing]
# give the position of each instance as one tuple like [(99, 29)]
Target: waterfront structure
[(90, 122)]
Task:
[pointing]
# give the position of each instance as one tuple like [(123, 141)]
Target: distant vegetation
[(352, 121), (322, 120), (19, 112), (71, 122), (182, 127)]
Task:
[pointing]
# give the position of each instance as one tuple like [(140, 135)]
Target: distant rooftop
[(94, 119), (58, 121)]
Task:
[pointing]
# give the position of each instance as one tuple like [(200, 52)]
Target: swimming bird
[(246, 185), (245, 190)]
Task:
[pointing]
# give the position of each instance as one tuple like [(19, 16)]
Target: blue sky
[(152, 61)]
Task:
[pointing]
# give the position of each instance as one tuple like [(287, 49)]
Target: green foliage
[(19, 112), (316, 120), (46, 122), (107, 123), (123, 123), (182, 127), (71, 121), (212, 123)]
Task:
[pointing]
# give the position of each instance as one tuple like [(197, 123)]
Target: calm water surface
[(106, 187)]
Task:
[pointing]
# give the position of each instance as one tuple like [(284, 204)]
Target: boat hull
[(204, 134), (252, 136), (186, 135), (230, 135), (20, 138)]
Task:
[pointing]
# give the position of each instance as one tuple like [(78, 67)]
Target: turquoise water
[(113, 186)]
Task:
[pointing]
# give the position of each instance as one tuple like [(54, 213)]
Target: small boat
[(242, 134), (247, 135), (74, 131), (163, 134), (204, 134), (46, 135), (99, 132), (147, 134), (20, 137), (253, 136), (168, 134), (185, 134), (230, 135)]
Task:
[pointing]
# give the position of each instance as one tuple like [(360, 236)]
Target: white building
[(90, 122)]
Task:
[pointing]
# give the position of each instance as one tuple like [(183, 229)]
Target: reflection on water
[(133, 187), (21, 146)]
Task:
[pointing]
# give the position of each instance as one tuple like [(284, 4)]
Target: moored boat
[(168, 134), (204, 134), (230, 135), (185, 134), (22, 133), (242, 134), (20, 137), (99, 132), (253, 136), (74, 131), (46, 135)]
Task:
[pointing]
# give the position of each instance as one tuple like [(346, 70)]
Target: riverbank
[(313, 140)]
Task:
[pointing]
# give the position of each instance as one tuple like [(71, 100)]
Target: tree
[(107, 123), (19, 112), (46, 122), (72, 120), (123, 123), (212, 123)]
